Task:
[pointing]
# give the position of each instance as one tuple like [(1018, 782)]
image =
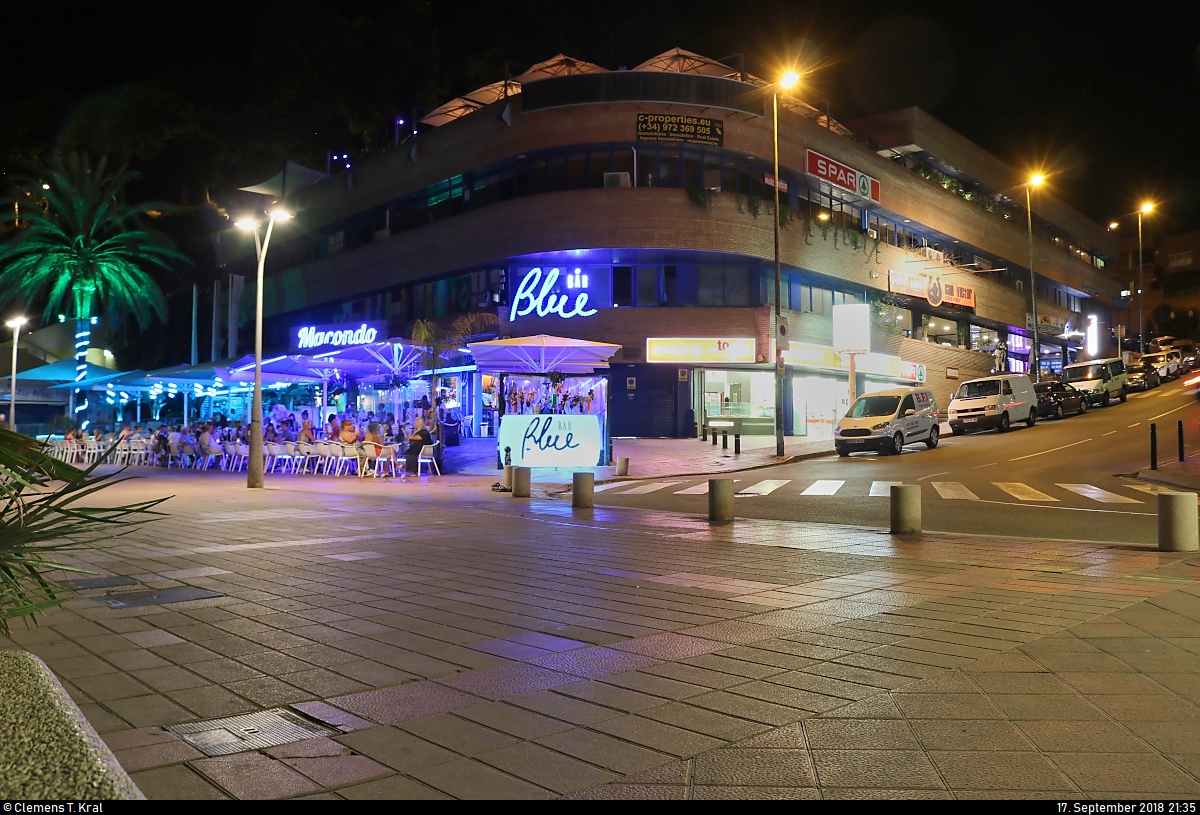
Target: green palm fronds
[(48, 506), (81, 248)]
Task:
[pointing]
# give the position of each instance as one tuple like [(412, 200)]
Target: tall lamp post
[(1035, 350), (15, 324), (788, 80), (254, 467), (1144, 209)]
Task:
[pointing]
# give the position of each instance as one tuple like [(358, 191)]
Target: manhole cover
[(100, 582), (253, 731), (134, 599)]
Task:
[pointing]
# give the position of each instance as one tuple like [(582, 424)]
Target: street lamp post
[(15, 324), (1035, 355), (1144, 209), (254, 467), (788, 80)]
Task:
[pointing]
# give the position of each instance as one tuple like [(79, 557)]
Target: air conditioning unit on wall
[(614, 180)]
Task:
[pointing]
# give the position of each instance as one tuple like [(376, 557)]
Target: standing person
[(416, 442)]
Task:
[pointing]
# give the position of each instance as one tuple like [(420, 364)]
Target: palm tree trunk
[(83, 339)]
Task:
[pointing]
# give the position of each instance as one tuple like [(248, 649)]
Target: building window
[(337, 242), (622, 286), (1178, 259)]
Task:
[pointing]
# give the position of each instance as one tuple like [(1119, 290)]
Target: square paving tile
[(593, 662), (997, 770), (708, 722), (178, 782), (623, 699), (860, 734), (947, 706), (394, 788), (459, 735), (960, 734), (395, 748), (515, 721), (750, 767), (886, 769), (470, 780), (605, 751), (670, 646), (338, 771), (1126, 772), (546, 768), (658, 736), (411, 701), (564, 708), (255, 776), (499, 681)]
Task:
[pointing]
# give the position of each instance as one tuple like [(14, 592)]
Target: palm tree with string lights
[(84, 252)]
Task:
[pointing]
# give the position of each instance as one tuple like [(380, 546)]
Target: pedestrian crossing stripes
[(1002, 491)]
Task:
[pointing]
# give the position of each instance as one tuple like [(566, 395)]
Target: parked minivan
[(1103, 379), (993, 401), (888, 420)]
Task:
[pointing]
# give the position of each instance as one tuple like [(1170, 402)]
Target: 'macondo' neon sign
[(535, 294), (310, 337)]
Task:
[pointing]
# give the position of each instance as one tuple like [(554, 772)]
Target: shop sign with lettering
[(700, 349), (929, 286), (1047, 324), (680, 127), (808, 355), (536, 295), (551, 439), (315, 339), (841, 176)]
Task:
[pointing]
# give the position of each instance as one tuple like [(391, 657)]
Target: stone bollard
[(906, 509), (522, 478), (508, 476), (583, 490), (720, 500), (1177, 526), (622, 465)]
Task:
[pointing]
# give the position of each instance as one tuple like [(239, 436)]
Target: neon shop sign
[(536, 294), (312, 337)]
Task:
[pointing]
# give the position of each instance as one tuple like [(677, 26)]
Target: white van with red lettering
[(888, 420)]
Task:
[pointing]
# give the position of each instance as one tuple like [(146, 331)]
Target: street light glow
[(280, 214), (246, 223), (789, 80), (1112, 225), (1037, 179), (16, 322), (1147, 207)]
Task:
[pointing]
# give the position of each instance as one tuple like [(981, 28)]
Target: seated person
[(349, 433), (306, 432), (416, 442)]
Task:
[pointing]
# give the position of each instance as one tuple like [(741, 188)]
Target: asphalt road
[(1063, 479)]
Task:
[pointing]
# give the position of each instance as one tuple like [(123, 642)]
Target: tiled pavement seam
[(904, 616)]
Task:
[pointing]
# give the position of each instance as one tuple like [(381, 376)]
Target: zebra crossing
[(1008, 491)]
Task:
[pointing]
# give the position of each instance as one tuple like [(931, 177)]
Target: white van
[(993, 401), (888, 420), (1100, 379)]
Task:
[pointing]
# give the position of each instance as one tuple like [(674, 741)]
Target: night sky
[(211, 96)]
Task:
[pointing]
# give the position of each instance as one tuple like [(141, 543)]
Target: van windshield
[(975, 390), (873, 406), (1083, 372)]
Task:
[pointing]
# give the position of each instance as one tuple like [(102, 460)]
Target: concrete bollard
[(906, 509), (508, 476), (1177, 526), (583, 490), (522, 480), (720, 500), (622, 465)]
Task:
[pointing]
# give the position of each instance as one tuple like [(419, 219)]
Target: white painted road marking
[(699, 489), (1097, 494), (824, 488), (1023, 492), (603, 487), (645, 488), (766, 487), (883, 489), (953, 490)]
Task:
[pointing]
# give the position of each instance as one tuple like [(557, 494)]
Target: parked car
[(993, 401), (1058, 399), (1142, 376), (1188, 349), (888, 420), (1100, 379), (1168, 367), (1175, 354)]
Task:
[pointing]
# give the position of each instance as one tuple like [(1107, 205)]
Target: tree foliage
[(80, 249)]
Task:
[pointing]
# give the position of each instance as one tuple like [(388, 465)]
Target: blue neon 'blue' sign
[(534, 294)]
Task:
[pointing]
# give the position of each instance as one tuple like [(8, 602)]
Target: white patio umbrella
[(542, 354)]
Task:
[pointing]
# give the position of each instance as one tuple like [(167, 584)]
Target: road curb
[(1181, 482)]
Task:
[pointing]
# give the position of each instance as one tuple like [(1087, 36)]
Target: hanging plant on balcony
[(701, 197)]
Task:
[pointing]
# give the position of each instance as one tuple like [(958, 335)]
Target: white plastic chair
[(426, 456)]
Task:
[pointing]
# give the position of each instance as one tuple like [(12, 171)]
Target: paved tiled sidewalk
[(469, 644)]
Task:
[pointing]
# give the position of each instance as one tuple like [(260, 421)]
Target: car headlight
[(880, 426)]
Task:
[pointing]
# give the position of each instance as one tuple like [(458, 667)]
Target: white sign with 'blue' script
[(551, 440)]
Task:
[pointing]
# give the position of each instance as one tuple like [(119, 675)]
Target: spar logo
[(310, 337), (841, 175)]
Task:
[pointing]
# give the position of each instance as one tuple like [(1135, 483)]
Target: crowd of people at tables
[(381, 429)]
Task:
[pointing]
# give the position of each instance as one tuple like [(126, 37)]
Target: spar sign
[(841, 176)]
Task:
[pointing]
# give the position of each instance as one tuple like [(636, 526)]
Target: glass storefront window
[(747, 394), (984, 339), (941, 331)]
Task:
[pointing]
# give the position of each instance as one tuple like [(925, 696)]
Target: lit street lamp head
[(1147, 207), (17, 322), (1036, 179), (246, 223), (789, 80), (280, 214)]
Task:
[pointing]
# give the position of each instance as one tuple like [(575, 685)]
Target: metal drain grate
[(134, 599), (253, 731), (112, 581)]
